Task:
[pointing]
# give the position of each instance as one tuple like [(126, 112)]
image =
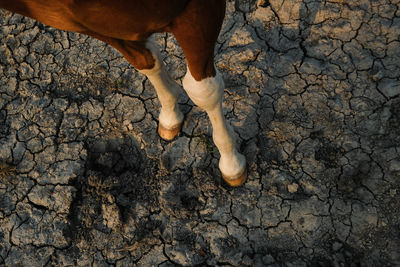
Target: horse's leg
[(171, 117), (145, 57), (196, 30)]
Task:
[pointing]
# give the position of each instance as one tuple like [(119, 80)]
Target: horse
[(127, 25)]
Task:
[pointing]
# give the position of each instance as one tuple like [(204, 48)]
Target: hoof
[(236, 181), (169, 134)]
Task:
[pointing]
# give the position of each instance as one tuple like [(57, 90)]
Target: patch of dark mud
[(269, 150), (393, 124), (381, 246), (317, 135), (181, 199), (78, 88), (4, 124), (114, 157), (394, 120), (329, 155), (352, 179), (117, 174), (341, 254)]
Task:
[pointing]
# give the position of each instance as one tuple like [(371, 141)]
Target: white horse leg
[(170, 118), (208, 95)]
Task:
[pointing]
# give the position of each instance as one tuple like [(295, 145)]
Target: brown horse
[(127, 26)]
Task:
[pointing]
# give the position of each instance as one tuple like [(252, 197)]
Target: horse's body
[(127, 25), (127, 17)]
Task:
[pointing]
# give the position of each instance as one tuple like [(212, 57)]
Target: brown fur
[(126, 24)]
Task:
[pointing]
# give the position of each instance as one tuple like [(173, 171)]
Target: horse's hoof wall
[(169, 134), (237, 181)]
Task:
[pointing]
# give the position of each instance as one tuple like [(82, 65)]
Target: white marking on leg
[(167, 90), (208, 94)]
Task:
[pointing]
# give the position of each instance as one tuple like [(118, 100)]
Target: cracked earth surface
[(313, 92)]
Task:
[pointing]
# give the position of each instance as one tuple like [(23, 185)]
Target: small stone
[(394, 166), (130, 127), (247, 261), (392, 192), (292, 188), (268, 259), (389, 87), (336, 246)]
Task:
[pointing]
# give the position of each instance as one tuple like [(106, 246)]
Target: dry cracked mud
[(313, 91)]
